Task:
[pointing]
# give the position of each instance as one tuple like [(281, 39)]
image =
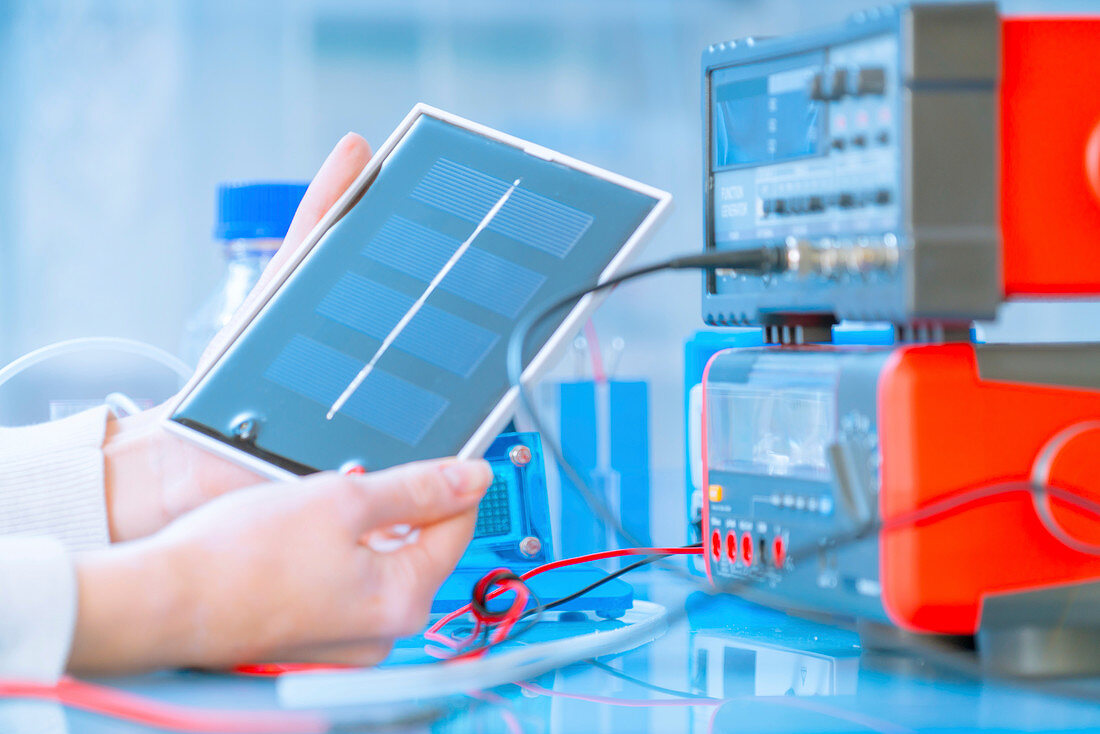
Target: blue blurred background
[(121, 116)]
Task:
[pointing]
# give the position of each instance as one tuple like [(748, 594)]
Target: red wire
[(504, 625), (602, 555), (448, 618), (594, 352), (625, 702), (148, 712)]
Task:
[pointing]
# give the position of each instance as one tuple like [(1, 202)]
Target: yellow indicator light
[(716, 493)]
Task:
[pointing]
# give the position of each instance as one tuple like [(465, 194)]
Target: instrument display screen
[(763, 113)]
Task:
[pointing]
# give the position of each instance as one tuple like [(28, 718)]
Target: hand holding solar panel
[(383, 342)]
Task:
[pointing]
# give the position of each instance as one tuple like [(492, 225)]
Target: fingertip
[(468, 478), (354, 145)]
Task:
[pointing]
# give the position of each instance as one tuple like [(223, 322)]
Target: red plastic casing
[(943, 429), (1050, 156)]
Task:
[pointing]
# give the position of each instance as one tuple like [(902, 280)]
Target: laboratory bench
[(723, 665)]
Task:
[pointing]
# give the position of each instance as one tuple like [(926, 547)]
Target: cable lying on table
[(148, 712), (483, 591), (758, 260), (776, 259)]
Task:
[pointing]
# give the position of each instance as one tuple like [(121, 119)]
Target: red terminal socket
[(779, 551), (731, 546), (716, 545), (746, 549)]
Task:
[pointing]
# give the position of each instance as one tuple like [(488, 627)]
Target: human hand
[(152, 476), (279, 572)]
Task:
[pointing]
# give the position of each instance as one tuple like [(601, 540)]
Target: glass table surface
[(723, 665)]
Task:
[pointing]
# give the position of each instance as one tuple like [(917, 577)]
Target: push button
[(837, 80), (869, 80), (829, 84)]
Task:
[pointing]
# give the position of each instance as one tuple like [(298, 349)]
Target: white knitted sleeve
[(51, 480)]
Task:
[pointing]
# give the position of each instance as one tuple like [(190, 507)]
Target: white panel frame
[(498, 417)]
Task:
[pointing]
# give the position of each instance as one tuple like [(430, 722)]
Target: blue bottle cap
[(256, 210)]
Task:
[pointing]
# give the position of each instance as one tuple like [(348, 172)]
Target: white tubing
[(122, 404), (645, 622), (118, 344)]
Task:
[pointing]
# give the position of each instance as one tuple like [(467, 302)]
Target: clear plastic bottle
[(252, 220)]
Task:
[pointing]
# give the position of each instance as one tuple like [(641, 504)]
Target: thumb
[(340, 169), (421, 493), (336, 174)]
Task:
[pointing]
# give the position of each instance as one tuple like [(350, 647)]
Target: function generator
[(923, 161), (920, 164)]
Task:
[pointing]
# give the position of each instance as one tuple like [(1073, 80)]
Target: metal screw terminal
[(530, 546), (246, 429), (520, 456)]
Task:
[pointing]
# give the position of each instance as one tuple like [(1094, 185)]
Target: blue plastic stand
[(623, 479)]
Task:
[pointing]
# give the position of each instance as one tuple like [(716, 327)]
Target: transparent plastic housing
[(770, 418)]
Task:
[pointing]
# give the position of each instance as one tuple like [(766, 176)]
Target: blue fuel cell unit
[(513, 531), (513, 519)]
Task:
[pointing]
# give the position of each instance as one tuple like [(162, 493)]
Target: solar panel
[(386, 343)]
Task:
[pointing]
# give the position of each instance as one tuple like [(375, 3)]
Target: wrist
[(132, 610)]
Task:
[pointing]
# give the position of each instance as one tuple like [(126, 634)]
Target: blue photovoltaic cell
[(411, 248), (530, 218), (433, 335), (479, 276), (384, 402), (493, 282)]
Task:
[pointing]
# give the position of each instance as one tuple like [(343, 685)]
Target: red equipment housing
[(1050, 156)]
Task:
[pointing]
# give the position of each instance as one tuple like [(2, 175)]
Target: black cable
[(538, 610), (757, 260), (646, 684), (598, 583), (479, 595), (607, 578), (754, 260)]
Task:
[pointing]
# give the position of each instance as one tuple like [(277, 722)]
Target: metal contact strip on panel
[(385, 402), (420, 302), (493, 282), (395, 406), (324, 332), (311, 369), (530, 224), (480, 277), (433, 335), (529, 218), (455, 180)]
